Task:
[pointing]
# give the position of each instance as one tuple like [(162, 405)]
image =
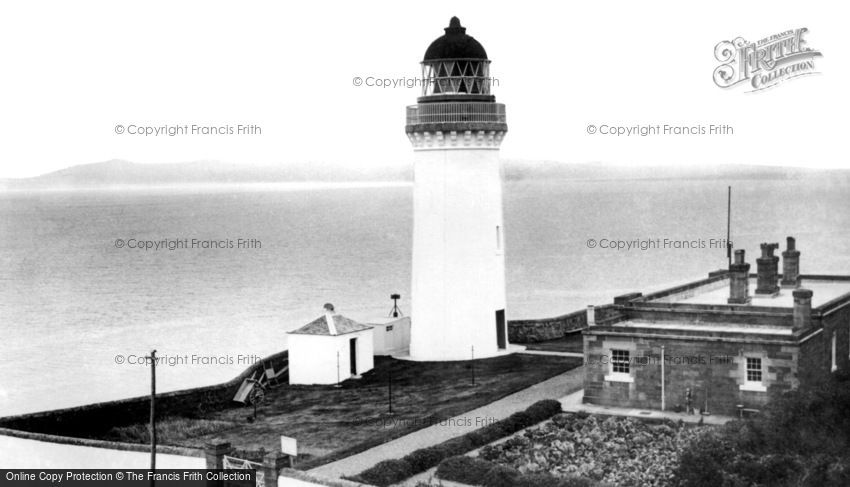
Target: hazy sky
[(71, 71)]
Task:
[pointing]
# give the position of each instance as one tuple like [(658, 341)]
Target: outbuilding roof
[(319, 326)]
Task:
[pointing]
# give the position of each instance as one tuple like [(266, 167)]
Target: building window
[(833, 356), (754, 369), (619, 361), (753, 375), (390, 328), (619, 365), (498, 237)]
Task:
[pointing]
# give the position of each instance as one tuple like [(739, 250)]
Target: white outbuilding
[(391, 335), (330, 349)]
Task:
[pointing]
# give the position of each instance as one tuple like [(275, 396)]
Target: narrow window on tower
[(498, 237), (834, 358)]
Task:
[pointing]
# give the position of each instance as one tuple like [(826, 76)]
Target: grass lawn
[(331, 423), (570, 343)]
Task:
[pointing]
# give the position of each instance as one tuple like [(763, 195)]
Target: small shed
[(330, 349), (392, 335)]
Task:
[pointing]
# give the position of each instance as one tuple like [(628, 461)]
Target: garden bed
[(581, 449)]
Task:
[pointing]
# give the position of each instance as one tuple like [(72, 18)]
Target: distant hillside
[(125, 173), (519, 170)]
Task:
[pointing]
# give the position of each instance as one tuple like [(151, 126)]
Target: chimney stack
[(768, 271), (329, 318), (739, 280), (791, 265), (591, 315), (802, 308)]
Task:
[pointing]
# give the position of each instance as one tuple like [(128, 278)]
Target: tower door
[(500, 329), (352, 352)]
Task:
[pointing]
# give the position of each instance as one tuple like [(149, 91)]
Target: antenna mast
[(729, 226)]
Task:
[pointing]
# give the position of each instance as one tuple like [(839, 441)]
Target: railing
[(481, 112)]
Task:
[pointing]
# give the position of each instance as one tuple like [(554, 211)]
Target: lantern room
[(455, 64)]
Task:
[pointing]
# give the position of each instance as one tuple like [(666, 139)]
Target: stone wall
[(91, 420), (816, 352), (712, 369), (532, 331)]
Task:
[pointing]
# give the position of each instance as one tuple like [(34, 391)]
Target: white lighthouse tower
[(456, 127)]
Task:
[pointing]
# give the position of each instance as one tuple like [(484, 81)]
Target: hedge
[(385, 473), (475, 471), (501, 476), (467, 470), (390, 472)]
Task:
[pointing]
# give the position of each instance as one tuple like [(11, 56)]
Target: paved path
[(572, 402), (558, 354), (553, 388)]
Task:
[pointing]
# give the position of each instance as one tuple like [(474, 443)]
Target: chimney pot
[(791, 265), (591, 315), (739, 280), (739, 256), (329, 318), (802, 308), (768, 271)]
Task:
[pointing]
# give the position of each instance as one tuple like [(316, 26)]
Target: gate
[(233, 463)]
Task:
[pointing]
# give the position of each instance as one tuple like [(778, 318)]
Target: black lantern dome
[(455, 66), (455, 44)]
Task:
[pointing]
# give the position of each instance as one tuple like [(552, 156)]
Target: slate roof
[(319, 326)]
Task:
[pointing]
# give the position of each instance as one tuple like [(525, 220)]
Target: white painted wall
[(313, 358), (458, 268), (395, 340), (26, 453)]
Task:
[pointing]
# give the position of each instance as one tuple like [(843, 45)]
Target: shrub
[(385, 473), (463, 469), (802, 438), (501, 476), (457, 446), (518, 421), (543, 409), (425, 458), (537, 480), (576, 481)]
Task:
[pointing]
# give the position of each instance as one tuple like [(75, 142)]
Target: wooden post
[(153, 412), (663, 399), (472, 364), (390, 387)]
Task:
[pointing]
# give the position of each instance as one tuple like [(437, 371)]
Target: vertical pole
[(663, 399), (337, 368), (729, 226), (153, 412), (390, 387), (473, 365)]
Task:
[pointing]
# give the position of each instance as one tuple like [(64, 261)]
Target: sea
[(83, 301)]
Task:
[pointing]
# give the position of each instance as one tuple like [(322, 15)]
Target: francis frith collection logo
[(765, 63)]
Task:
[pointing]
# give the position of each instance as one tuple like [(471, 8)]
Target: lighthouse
[(456, 128)]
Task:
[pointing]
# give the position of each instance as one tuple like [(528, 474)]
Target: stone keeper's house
[(731, 347)]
